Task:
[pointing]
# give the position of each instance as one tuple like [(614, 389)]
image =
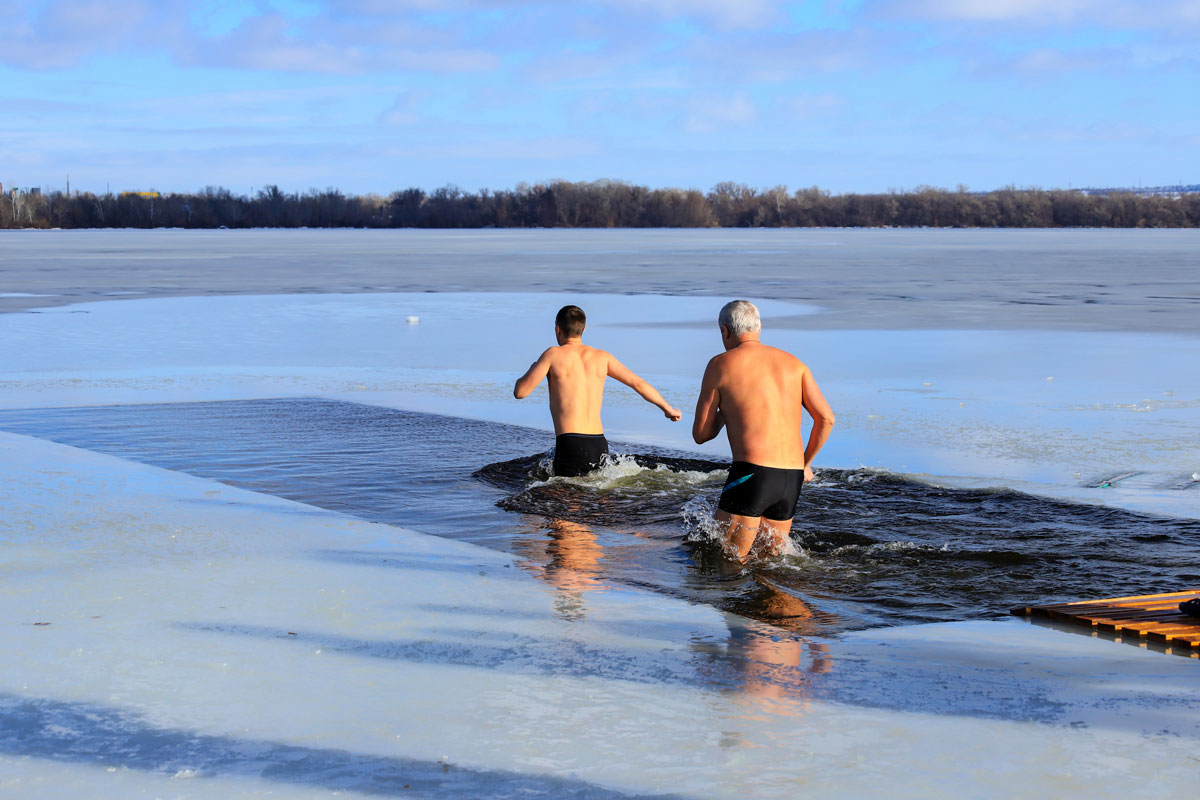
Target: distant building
[(35, 191), (139, 194)]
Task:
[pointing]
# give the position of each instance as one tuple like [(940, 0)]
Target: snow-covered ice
[(164, 630)]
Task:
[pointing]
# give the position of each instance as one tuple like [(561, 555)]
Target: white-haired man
[(756, 393)]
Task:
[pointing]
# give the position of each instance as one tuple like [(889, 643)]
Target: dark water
[(876, 549)]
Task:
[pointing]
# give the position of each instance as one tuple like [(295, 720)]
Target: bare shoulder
[(717, 363), (594, 355), (789, 360)]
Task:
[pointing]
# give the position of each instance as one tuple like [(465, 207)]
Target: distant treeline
[(602, 204)]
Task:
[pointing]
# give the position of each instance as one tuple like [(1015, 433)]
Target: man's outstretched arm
[(708, 421), (822, 416), (620, 372), (533, 376)]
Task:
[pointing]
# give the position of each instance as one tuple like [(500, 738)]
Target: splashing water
[(702, 529)]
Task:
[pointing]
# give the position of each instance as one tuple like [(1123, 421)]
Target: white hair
[(740, 317)]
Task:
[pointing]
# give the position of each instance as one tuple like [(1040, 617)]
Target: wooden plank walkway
[(1147, 618)]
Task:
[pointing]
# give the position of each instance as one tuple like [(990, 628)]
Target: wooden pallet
[(1140, 620)]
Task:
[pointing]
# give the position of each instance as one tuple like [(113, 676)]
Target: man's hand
[(808, 474), (673, 414)]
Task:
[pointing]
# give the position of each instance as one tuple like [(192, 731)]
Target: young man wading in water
[(756, 392), (576, 375)]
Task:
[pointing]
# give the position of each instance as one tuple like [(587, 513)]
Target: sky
[(374, 96)]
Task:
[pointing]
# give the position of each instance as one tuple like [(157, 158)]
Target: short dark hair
[(571, 321)]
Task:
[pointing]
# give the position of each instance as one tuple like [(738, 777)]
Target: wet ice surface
[(1094, 280), (873, 548), (170, 636)]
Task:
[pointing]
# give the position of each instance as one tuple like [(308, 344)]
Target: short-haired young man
[(756, 393), (576, 375)]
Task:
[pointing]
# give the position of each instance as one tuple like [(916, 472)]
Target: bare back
[(759, 394), (576, 374), (576, 378), (761, 397)]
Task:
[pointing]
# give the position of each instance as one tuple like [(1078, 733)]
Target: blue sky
[(378, 95)]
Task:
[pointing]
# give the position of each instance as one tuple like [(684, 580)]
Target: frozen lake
[(182, 626), (1062, 279), (1033, 410)]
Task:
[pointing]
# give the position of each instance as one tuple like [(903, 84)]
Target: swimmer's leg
[(740, 532), (774, 533)]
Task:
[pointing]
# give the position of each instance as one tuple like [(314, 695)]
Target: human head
[(570, 321), (739, 318)]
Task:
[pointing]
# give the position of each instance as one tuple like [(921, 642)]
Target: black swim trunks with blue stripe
[(754, 491)]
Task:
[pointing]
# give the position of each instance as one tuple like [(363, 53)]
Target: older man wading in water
[(576, 375), (756, 393)]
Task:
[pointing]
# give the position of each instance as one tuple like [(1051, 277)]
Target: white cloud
[(61, 34), (708, 113), (772, 58), (65, 33), (386, 7), (724, 14), (1050, 130), (405, 110), (1121, 14), (532, 149), (998, 10), (727, 14), (1046, 61), (277, 43)]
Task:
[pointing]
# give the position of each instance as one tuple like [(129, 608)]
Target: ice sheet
[(168, 636), (895, 279), (1048, 412), (209, 642)]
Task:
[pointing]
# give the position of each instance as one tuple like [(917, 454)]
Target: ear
[(724, 331)]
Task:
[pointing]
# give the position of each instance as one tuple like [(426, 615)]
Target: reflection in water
[(567, 556), (778, 665), (582, 536), (777, 670), (782, 607), (773, 665)]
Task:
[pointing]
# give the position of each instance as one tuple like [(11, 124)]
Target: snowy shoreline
[(157, 648)]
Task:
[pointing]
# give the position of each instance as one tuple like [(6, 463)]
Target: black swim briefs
[(578, 454), (754, 491)]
